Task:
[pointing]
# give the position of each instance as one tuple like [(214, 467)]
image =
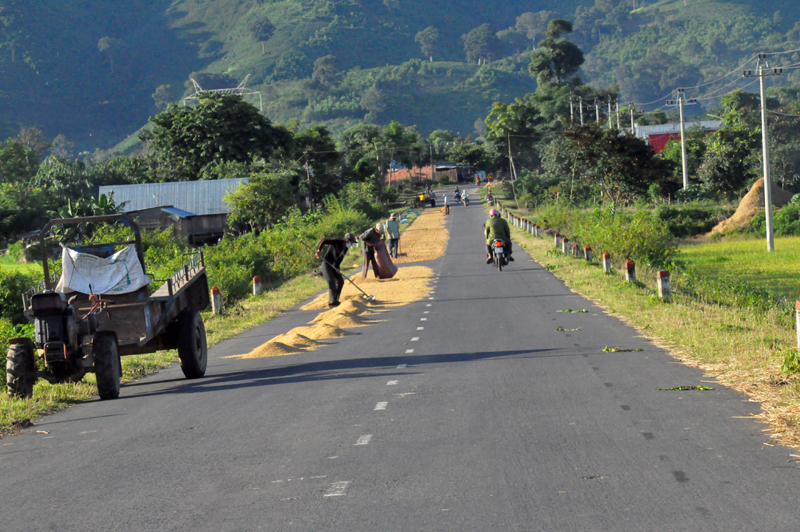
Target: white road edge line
[(382, 405), (337, 489), (363, 440)]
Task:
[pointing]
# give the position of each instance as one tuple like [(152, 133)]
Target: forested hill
[(95, 70)]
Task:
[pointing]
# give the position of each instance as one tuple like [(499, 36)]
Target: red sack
[(386, 268)]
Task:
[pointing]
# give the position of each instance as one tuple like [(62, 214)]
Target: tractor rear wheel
[(192, 347), (20, 368), (107, 366)]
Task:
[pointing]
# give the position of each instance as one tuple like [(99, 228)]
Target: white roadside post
[(257, 285), (576, 250), (565, 246), (630, 271), (587, 253), (797, 321), (607, 262), (216, 301), (558, 240), (664, 288)]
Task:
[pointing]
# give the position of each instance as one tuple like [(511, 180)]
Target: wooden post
[(630, 271), (257, 285), (216, 301), (664, 288)]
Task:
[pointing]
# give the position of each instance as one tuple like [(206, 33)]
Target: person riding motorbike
[(497, 228), (490, 198)]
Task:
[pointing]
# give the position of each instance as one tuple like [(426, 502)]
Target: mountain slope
[(89, 68)]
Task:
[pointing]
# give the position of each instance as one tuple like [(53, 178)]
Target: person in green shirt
[(497, 228), (392, 229)]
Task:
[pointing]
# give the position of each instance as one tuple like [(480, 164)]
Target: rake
[(366, 296)]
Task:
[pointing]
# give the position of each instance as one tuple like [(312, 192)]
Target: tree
[(532, 24), (556, 59), (621, 166), (480, 44), (222, 127), (108, 47), (427, 39), (18, 163), (358, 148), (163, 96), (321, 173), (515, 127), (61, 147), (514, 41), (262, 30), (373, 101), (325, 71), (262, 201)]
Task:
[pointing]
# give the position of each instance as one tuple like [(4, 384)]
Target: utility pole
[(633, 123), (580, 104), (762, 71), (310, 188), (433, 168), (511, 170), (610, 121), (618, 126), (681, 102), (571, 112), (596, 112)]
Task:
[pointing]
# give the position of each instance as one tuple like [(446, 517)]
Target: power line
[(727, 93), (782, 114), (781, 53), (737, 69)]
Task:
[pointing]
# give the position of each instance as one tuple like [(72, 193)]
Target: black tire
[(192, 347), (498, 263), (20, 368), (107, 366)]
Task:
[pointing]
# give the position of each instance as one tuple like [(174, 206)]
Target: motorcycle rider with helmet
[(497, 228)]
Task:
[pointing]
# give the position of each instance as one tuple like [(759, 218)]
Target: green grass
[(18, 267), (747, 260)]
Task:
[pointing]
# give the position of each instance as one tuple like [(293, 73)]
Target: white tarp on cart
[(121, 273)]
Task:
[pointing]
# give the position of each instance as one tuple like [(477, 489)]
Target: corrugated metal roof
[(197, 197), (662, 129), (177, 212)]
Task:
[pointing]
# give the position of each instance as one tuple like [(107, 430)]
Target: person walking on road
[(369, 238), (446, 204), (496, 227), (393, 235), (332, 262)]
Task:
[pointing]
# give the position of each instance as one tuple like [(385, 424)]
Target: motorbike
[(499, 257), (490, 199), (466, 201)]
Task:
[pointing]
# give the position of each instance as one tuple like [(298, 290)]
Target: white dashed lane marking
[(428, 304), (391, 383), (382, 405), (363, 440), (402, 366), (337, 489), (415, 339), (420, 328), (427, 312), (423, 319), (409, 351)]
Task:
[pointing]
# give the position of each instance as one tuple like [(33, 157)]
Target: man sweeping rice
[(332, 262)]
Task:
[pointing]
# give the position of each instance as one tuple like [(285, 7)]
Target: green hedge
[(638, 236)]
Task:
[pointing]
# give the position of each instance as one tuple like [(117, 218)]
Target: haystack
[(752, 204)]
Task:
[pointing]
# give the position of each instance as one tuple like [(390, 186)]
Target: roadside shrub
[(791, 361), (12, 286), (692, 219), (785, 221), (639, 236), (444, 180)]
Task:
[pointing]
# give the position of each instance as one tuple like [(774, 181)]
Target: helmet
[(349, 237), (494, 212), (379, 227)]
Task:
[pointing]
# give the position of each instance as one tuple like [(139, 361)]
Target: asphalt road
[(466, 411)]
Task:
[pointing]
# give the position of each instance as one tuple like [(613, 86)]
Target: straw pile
[(752, 204)]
